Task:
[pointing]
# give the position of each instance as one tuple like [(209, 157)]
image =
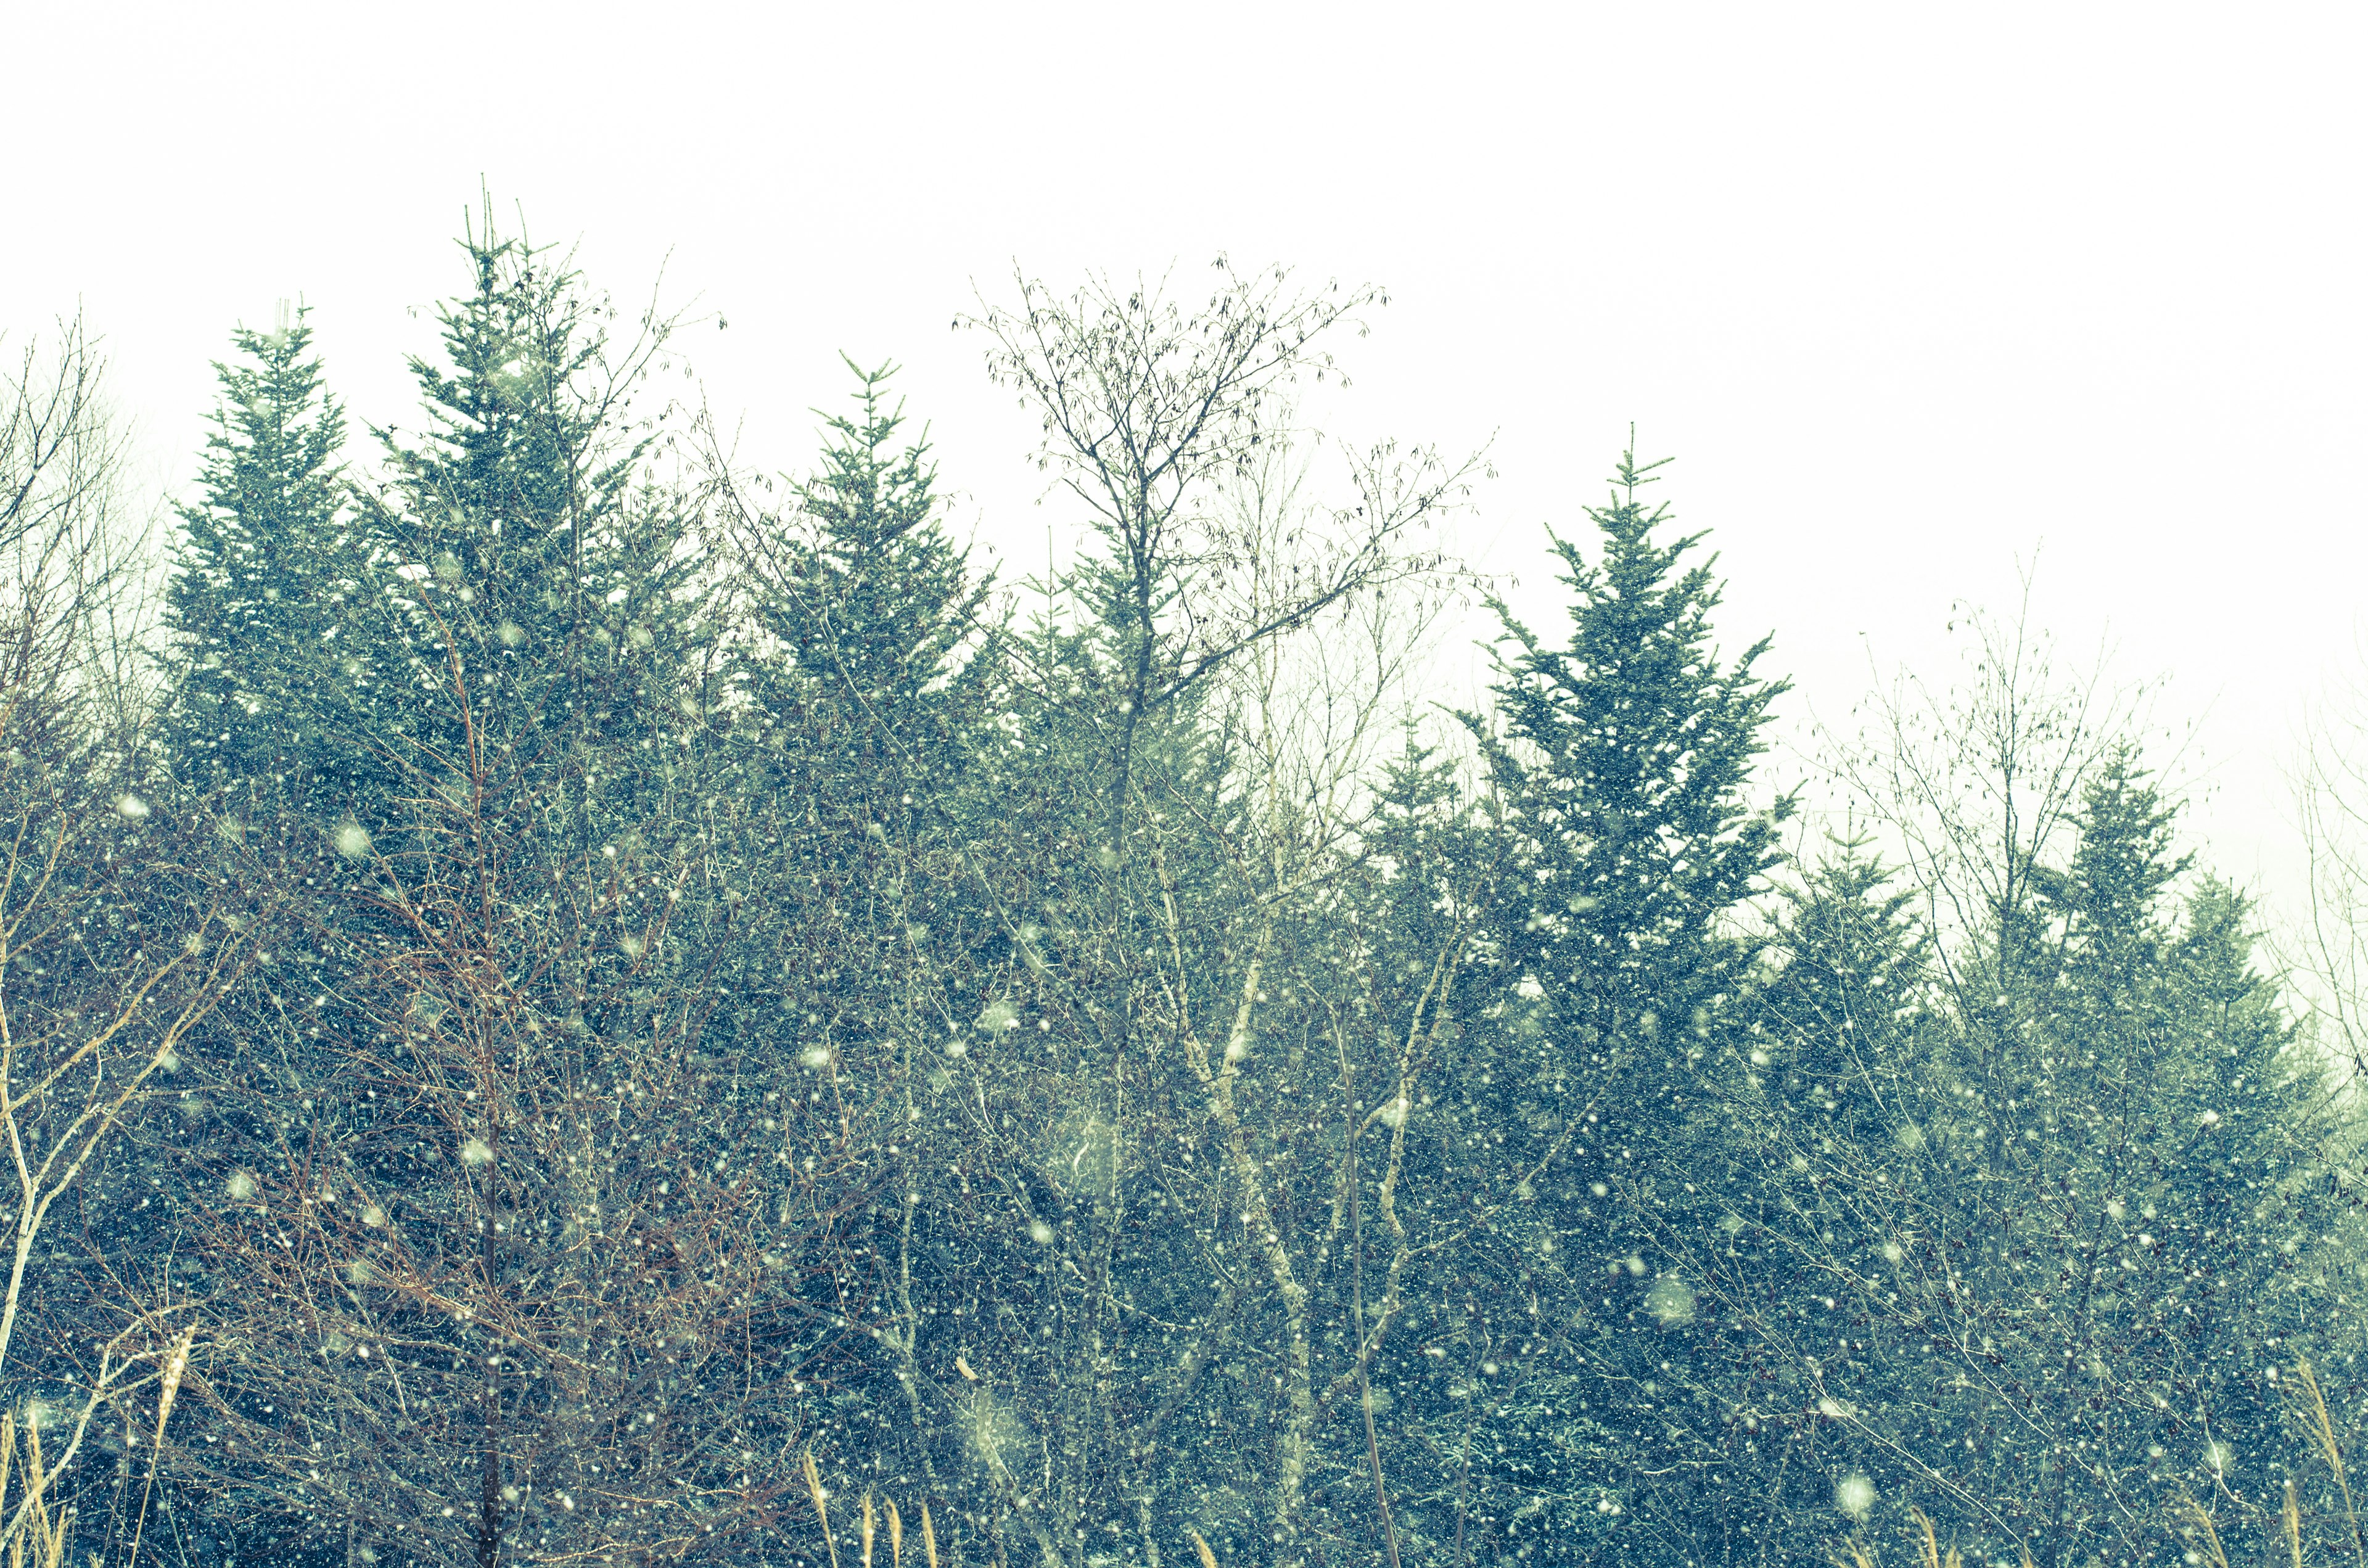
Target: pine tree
[(1621, 775), (266, 570), (2025, 1258), (534, 590), (539, 898), (1624, 763), (875, 600), (1830, 1099)]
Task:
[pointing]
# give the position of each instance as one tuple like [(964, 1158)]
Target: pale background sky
[(1913, 293)]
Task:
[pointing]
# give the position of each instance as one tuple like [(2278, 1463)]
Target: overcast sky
[(1916, 296)]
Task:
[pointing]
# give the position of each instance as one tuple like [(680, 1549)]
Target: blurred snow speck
[(131, 808), (1854, 1495), (353, 840), (241, 1185), (476, 1152)]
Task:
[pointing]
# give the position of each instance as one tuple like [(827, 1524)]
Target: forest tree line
[(567, 1002)]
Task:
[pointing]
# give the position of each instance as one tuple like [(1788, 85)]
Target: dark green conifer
[(885, 598), (1625, 763), (266, 570), (1622, 764), (534, 591)]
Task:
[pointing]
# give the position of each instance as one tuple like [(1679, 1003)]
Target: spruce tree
[(1625, 761), (2023, 1250), (874, 599), (266, 570), (1822, 1164), (539, 897), (533, 588), (1622, 763)]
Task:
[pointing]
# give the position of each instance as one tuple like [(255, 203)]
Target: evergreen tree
[(1621, 773), (533, 589), (2026, 1260), (265, 572), (1624, 761), (873, 600), (1825, 1166), (539, 888)]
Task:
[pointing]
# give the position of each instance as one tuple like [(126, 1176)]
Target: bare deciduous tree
[(110, 955)]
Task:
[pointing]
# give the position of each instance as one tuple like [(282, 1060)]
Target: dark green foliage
[(872, 601), (1970, 1241), (708, 990), (1624, 761), (534, 585), (1622, 764), (267, 570)]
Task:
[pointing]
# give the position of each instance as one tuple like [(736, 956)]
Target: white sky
[(1909, 290)]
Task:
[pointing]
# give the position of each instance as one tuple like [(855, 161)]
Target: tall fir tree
[(267, 571), (1625, 763), (875, 600), (1622, 763), (534, 587), (1820, 1166)]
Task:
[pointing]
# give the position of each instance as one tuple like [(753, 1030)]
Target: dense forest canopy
[(566, 1003)]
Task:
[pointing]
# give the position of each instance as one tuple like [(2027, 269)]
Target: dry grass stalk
[(2312, 1403), (2197, 1514), (176, 1363), (928, 1537), (2294, 1526), (1932, 1558), (1208, 1558), (35, 1526), (867, 1529), (822, 1508), (895, 1534)]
